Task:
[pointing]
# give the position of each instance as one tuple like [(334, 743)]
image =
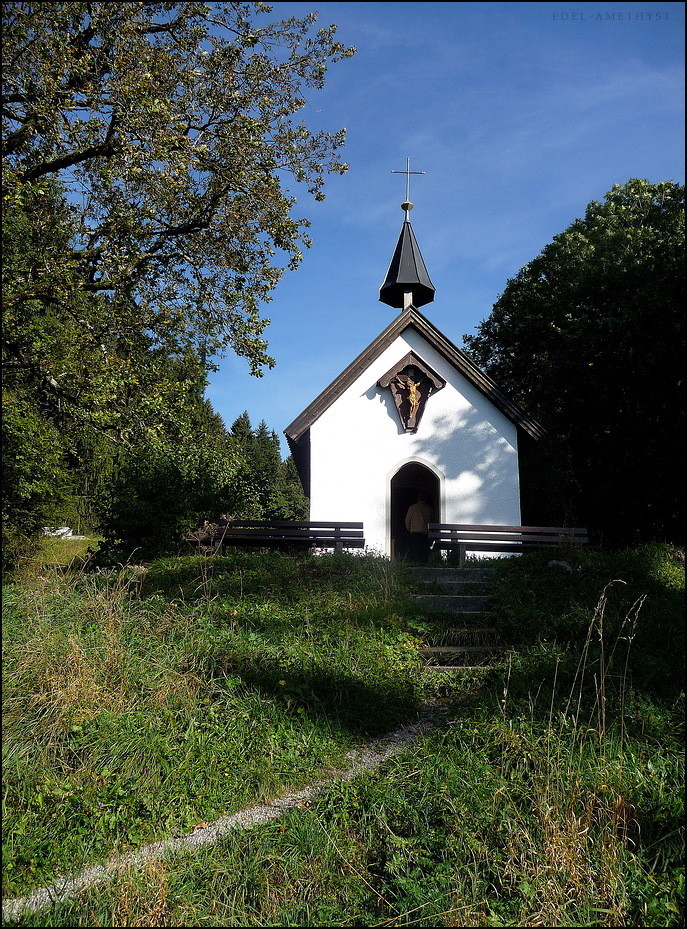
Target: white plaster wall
[(358, 444)]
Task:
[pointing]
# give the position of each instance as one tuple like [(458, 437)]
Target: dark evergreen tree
[(275, 491), (242, 429), (590, 338)]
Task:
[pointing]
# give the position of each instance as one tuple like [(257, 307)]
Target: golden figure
[(409, 387), (413, 397)]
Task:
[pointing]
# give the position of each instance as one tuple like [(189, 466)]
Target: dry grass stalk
[(143, 898)]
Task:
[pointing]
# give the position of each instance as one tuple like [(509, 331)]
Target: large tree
[(161, 142), (590, 337), (151, 157)]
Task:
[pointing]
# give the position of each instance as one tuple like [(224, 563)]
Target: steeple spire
[(407, 281)]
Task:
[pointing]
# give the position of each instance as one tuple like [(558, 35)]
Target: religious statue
[(411, 382), (411, 390), (413, 397)]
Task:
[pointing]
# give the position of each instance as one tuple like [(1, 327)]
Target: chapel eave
[(411, 317)]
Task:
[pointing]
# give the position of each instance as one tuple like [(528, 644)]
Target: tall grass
[(553, 795), (129, 716)]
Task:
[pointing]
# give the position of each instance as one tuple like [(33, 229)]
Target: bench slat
[(499, 537), (496, 546), (288, 524), (286, 534), (455, 527), (267, 541)]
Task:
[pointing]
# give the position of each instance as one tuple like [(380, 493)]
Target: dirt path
[(367, 759)]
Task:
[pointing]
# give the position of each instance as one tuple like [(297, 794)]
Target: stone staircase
[(465, 637)]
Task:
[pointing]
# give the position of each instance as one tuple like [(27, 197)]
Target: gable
[(410, 318)]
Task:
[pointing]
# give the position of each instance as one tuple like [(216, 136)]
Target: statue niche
[(411, 383)]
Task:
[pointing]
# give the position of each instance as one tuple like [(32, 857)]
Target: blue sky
[(519, 113)]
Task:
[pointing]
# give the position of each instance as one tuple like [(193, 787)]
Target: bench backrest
[(273, 532), (284, 529), (287, 524), (470, 535)]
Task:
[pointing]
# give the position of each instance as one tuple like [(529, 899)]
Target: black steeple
[(407, 280)]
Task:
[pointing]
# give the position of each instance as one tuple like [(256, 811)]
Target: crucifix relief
[(409, 389), (411, 383)]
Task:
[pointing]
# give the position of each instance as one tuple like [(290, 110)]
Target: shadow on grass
[(362, 707), (280, 576)]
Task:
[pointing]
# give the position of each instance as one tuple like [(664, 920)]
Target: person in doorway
[(418, 517)]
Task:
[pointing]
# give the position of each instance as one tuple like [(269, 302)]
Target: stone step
[(459, 667), (474, 635), (442, 575), (455, 649), (461, 632), (455, 587), (451, 603), (455, 657), (474, 661), (461, 587)]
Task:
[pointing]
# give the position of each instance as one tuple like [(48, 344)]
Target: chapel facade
[(411, 414)]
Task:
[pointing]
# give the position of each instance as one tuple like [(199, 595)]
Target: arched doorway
[(409, 481)]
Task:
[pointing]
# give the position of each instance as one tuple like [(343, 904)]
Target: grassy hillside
[(140, 703)]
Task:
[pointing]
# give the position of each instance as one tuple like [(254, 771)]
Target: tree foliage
[(162, 489), (589, 337), (68, 350), (171, 129), (34, 473), (200, 471), (151, 156)]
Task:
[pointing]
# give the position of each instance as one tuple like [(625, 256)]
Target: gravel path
[(361, 761)]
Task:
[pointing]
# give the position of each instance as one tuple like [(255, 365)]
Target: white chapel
[(411, 414)]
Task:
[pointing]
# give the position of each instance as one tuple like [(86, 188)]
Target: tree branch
[(105, 149)]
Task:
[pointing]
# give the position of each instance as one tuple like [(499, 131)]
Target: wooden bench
[(281, 534), (501, 538)]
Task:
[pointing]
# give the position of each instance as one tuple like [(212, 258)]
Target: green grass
[(638, 595), (130, 715), (138, 705), (58, 551), (471, 827)]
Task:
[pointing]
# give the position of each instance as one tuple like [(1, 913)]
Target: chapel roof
[(412, 318)]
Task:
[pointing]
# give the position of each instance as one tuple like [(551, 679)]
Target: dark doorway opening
[(408, 482)]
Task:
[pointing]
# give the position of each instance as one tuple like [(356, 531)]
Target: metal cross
[(407, 173)]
